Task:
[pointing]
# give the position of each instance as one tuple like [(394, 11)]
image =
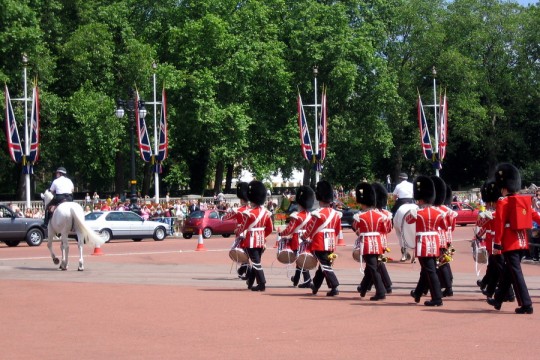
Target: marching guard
[(381, 200), (323, 229), (305, 197), (511, 223), (485, 232), (428, 220), (257, 226), (237, 214), (369, 224)]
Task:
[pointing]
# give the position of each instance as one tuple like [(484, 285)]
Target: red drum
[(357, 250), (284, 253), (237, 253), (306, 260)]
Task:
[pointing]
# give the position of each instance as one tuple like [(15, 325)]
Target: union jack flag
[(163, 141), (144, 140), (424, 131), (34, 127), (323, 128), (12, 134), (307, 150), (443, 111)]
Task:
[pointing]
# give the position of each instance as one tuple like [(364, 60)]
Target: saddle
[(53, 207)]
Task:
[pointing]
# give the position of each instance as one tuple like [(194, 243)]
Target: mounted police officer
[(62, 188)]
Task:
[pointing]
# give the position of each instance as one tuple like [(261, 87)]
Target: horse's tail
[(92, 238)]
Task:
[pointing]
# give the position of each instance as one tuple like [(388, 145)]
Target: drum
[(480, 254), (237, 253), (284, 253), (306, 260), (357, 250)]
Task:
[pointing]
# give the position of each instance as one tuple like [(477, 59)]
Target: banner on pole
[(163, 142), (12, 134), (424, 131), (443, 111), (142, 131), (33, 156), (307, 150), (323, 129)]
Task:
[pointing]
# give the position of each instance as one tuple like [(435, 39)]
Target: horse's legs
[(65, 252), (50, 237), (80, 243)]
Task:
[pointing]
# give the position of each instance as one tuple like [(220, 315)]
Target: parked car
[(125, 225), (346, 217), (210, 222), (466, 214), (14, 229)]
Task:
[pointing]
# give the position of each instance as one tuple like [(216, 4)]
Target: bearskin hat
[(381, 195), (242, 190), (305, 197), (256, 192), (365, 194), (424, 189), (324, 192), (507, 177), (490, 191), (440, 190)]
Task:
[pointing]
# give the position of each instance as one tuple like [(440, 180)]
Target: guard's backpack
[(521, 213)]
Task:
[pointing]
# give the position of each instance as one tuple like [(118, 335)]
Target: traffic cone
[(200, 244), (97, 251), (340, 240), (277, 240)]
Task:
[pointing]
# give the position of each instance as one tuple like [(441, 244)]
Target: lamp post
[(131, 106)]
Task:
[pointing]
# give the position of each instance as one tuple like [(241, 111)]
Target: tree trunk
[(120, 184), (219, 177), (228, 178), (197, 170), (147, 179)]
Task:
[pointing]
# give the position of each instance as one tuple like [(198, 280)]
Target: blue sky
[(527, 2)]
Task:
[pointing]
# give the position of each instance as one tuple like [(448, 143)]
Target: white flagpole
[(26, 142), (316, 149), (436, 145), (156, 174)]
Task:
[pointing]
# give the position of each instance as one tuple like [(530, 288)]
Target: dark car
[(210, 222), (466, 214), (14, 229), (346, 217)]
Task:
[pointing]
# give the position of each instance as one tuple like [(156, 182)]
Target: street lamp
[(131, 106)]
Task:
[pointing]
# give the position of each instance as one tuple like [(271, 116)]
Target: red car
[(466, 214), (209, 222)]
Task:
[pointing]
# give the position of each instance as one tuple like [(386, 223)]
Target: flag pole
[(26, 142), (436, 145), (316, 150), (156, 173)]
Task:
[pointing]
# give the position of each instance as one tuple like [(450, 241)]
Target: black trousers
[(372, 276), (257, 272), (428, 278), (513, 276), (56, 200), (324, 271)]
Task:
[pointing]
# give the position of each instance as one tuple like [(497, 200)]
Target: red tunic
[(506, 237), (428, 220), (323, 228), (485, 228), (388, 227), (369, 226), (257, 226), (296, 227), (238, 215)]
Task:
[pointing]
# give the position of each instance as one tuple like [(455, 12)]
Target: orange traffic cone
[(200, 244), (340, 241), (97, 251), (278, 237)]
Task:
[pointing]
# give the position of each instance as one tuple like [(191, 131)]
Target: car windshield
[(93, 215), (196, 215)]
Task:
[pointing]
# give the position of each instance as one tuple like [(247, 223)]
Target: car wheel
[(206, 233), (34, 237), (187, 236), (160, 233), (106, 235), (12, 243), (226, 235)]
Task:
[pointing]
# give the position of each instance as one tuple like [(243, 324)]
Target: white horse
[(406, 233), (69, 216)]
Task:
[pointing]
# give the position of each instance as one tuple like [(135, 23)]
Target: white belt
[(257, 229), (507, 225), (327, 230), (375, 233), (427, 233)]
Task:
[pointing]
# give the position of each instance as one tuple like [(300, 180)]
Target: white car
[(125, 225)]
